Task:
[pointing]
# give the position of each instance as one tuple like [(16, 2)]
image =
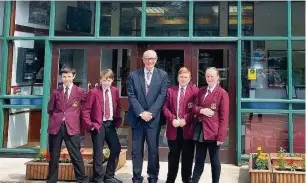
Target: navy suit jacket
[(140, 102)]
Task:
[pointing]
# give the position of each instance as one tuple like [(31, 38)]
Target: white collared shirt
[(145, 75), (69, 90), (209, 89), (178, 99), (110, 104)]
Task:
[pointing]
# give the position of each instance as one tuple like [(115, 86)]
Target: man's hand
[(219, 143), (146, 116), (176, 123), (207, 112), (182, 122)]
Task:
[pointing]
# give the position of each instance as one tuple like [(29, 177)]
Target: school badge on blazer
[(213, 106), (190, 105), (75, 104)]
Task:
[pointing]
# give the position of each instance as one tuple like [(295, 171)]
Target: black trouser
[(73, 145), (139, 135), (176, 148), (106, 133), (201, 151)]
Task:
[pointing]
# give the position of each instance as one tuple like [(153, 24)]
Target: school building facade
[(258, 47)]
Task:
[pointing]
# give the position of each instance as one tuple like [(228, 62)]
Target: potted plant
[(260, 167), (37, 169), (297, 158), (288, 169)]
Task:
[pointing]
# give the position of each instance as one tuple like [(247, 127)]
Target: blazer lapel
[(175, 94), (101, 99), (187, 94), (142, 81), (154, 80), (61, 97), (210, 96), (72, 95), (114, 100)]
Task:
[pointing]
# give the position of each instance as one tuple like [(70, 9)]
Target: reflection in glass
[(298, 72), (264, 69), (168, 18), (299, 133), (23, 128), (77, 59), (298, 18), (33, 15), (27, 66), (2, 5), (170, 61), (119, 61), (74, 18), (247, 19), (270, 131), (120, 18), (206, 19)]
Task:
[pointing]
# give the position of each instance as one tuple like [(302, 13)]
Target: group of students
[(195, 119)]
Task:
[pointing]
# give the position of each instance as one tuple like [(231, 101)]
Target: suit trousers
[(201, 151), (179, 147), (73, 144), (139, 135), (106, 133)]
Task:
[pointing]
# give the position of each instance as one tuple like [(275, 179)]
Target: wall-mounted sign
[(252, 74)]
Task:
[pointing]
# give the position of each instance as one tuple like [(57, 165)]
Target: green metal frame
[(51, 38)]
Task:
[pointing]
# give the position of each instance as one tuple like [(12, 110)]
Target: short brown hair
[(68, 70), (184, 70), (107, 73)]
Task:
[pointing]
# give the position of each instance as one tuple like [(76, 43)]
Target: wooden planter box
[(39, 170), (288, 176), (260, 176), (298, 161)]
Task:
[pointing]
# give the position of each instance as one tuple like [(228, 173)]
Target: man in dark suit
[(147, 89), (101, 115), (64, 124)]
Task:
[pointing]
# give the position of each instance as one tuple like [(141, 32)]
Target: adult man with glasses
[(147, 89)]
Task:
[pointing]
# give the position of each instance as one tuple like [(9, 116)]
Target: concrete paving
[(13, 170)]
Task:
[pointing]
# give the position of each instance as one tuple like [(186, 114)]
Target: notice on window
[(252, 74)]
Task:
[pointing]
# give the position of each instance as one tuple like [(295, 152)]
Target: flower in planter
[(260, 160), (64, 158), (292, 165)]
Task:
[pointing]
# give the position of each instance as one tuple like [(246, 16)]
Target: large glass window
[(299, 133), (298, 18), (74, 18), (269, 131), (2, 3), (247, 19), (264, 69), (27, 68), (168, 18), (270, 18), (32, 18), (298, 70), (206, 18), (120, 18)]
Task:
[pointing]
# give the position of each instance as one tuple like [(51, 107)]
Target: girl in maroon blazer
[(178, 113), (211, 110)]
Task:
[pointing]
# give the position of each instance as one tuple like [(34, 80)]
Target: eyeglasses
[(149, 58)]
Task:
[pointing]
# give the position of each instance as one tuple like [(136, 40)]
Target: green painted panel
[(21, 106)]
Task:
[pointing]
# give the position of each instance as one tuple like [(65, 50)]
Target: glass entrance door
[(223, 57)]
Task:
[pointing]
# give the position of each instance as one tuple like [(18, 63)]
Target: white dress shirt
[(69, 90), (209, 89), (110, 104), (178, 99)]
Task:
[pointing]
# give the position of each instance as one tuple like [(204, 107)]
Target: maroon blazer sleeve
[(118, 118), (51, 103), (86, 110), (196, 109), (166, 108), (189, 115), (223, 117)]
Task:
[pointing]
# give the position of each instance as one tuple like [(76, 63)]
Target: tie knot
[(67, 88), (182, 89), (106, 91)]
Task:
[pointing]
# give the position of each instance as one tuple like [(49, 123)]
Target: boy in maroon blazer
[(64, 124), (101, 116), (178, 112)]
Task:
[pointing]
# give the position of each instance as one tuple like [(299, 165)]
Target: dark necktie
[(107, 108), (181, 102), (66, 94)]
